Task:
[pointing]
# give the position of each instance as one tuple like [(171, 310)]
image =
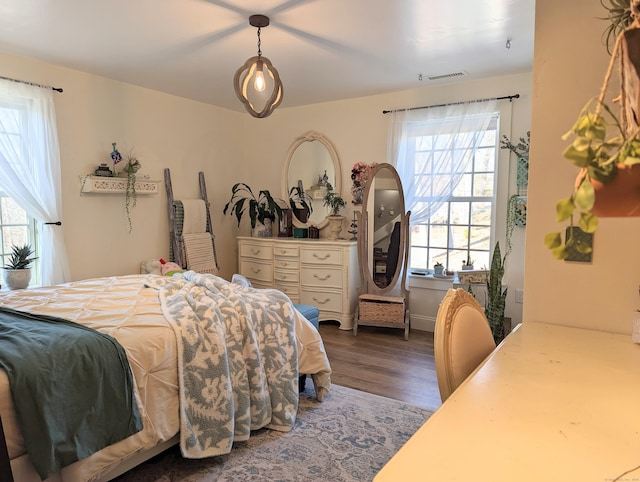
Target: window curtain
[(30, 170), (431, 148)]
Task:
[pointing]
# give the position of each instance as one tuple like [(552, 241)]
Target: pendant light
[(257, 83)]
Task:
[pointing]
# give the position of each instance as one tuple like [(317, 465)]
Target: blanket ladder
[(176, 238)]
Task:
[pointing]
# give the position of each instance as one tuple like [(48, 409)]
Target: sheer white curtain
[(432, 147), (30, 169)]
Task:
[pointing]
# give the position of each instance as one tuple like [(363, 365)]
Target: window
[(30, 176), (460, 228), (16, 227), (447, 158)]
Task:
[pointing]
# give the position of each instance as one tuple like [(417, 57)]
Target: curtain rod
[(510, 97), (57, 89)]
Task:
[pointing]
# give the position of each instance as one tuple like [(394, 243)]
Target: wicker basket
[(381, 308)]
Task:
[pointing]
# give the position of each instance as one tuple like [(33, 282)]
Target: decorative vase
[(16, 279), (335, 227), (263, 230)]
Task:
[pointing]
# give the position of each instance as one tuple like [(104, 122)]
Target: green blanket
[(71, 386)]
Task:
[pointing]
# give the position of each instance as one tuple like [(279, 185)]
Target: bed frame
[(5, 465)]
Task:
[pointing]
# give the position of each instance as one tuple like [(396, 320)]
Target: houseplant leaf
[(585, 195), (564, 209), (588, 222), (553, 240)]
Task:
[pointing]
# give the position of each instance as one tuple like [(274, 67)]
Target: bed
[(148, 315)]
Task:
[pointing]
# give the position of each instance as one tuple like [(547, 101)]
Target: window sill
[(429, 281)]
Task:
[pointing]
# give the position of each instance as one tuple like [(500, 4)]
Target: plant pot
[(335, 227), (16, 279), (438, 270), (467, 267), (263, 230), (620, 197)]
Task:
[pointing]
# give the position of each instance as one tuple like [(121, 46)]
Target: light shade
[(259, 103)]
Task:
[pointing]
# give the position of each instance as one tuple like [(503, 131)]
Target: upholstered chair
[(462, 339)]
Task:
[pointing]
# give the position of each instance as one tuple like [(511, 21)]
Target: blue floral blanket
[(237, 360)]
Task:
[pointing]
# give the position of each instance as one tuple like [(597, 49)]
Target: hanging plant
[(605, 160), (132, 165), (521, 149), (619, 16)]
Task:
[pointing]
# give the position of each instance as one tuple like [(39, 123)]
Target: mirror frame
[(367, 283), (311, 136)]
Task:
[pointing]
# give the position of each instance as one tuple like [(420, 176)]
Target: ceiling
[(324, 50)]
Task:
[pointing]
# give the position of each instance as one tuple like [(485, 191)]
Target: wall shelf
[(106, 185)]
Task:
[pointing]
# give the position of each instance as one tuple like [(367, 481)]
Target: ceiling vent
[(446, 76)]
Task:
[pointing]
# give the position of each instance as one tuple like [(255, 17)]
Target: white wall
[(165, 131), (187, 137), (358, 130), (569, 67)]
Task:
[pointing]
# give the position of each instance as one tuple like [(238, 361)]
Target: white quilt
[(123, 308)]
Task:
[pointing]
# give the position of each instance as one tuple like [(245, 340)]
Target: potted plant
[(16, 274), (438, 269), (334, 202), (262, 209), (496, 296), (608, 181), (467, 264), (301, 203), (619, 17)]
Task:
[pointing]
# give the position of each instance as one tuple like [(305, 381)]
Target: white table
[(552, 403)]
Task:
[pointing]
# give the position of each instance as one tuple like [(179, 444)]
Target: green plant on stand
[(333, 200)]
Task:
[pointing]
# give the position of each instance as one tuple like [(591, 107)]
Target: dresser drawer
[(289, 276), (289, 251), (257, 251), (322, 277), (289, 289), (323, 300), (287, 263), (326, 256), (255, 270)]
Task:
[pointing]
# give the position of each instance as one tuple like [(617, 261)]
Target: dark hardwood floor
[(380, 361)]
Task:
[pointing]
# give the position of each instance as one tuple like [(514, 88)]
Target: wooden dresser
[(314, 272)]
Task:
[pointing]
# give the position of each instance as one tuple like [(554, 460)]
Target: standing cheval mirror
[(383, 250)]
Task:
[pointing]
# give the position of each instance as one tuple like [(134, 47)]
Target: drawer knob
[(322, 301), (321, 257), (255, 251), (256, 270), (321, 278)]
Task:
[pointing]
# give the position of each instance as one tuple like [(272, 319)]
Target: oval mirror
[(386, 223), (312, 163)]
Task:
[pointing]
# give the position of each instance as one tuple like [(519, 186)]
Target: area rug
[(347, 437)]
